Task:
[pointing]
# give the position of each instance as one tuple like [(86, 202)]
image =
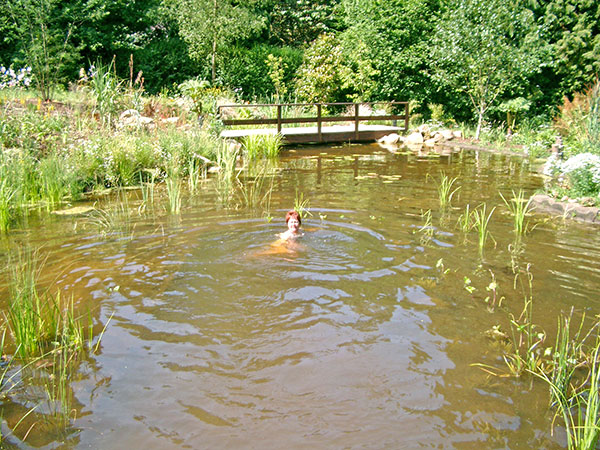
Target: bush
[(579, 121), (580, 174)]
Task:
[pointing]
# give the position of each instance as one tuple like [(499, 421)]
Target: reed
[(519, 208), (579, 409), (302, 205), (39, 321), (464, 222), (526, 337), (481, 221), (445, 190), (173, 182), (7, 207), (196, 170), (262, 145), (147, 189), (426, 230), (254, 190), (114, 220)]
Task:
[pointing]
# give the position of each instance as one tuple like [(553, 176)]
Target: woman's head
[(293, 215), (292, 220)]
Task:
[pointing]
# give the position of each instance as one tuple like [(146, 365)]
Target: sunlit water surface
[(359, 335)]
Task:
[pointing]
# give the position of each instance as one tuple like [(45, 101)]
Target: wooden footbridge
[(327, 122)]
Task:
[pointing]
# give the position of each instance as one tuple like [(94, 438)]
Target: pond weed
[(481, 221), (519, 208), (445, 191)]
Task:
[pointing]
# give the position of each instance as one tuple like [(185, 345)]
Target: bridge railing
[(355, 116)]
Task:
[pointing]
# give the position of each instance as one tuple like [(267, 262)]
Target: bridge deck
[(335, 133)]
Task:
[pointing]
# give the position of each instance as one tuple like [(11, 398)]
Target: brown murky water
[(360, 335)]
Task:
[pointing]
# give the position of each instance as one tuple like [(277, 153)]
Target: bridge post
[(278, 118), (406, 116), (319, 123), (356, 111)]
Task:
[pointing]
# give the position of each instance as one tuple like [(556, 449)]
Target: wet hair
[(293, 215)]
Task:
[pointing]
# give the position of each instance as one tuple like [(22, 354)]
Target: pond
[(363, 333)]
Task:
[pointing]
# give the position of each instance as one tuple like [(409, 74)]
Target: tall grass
[(519, 208), (7, 208), (173, 182), (445, 190), (579, 406), (426, 230), (105, 89), (526, 337), (464, 222), (481, 221), (262, 145), (302, 205), (38, 320), (254, 189)]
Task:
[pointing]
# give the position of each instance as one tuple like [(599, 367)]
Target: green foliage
[(573, 30), (482, 47), (262, 145), (579, 121), (320, 75), (46, 30), (208, 26), (276, 74), (512, 107), (391, 39), (298, 22), (105, 89), (519, 208)]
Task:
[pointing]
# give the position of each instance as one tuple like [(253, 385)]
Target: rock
[(447, 135), (132, 118), (424, 130), (457, 134), (171, 120), (129, 114), (415, 138), (75, 211), (430, 142), (390, 139), (545, 203)]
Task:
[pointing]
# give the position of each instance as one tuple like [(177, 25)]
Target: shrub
[(579, 121)]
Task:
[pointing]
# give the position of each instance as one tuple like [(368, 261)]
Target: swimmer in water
[(293, 222)]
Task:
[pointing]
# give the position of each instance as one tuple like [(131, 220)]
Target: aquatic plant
[(39, 321), (262, 145), (445, 191), (253, 189), (302, 205), (7, 208), (426, 230), (173, 183), (526, 337), (196, 170), (105, 89), (116, 219), (481, 221), (579, 407), (493, 299), (519, 208), (464, 222)]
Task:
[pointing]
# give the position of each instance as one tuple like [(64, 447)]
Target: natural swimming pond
[(361, 334)]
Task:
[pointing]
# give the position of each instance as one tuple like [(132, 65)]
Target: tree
[(209, 26), (46, 30), (573, 29), (299, 22), (320, 75), (483, 47), (391, 37)]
